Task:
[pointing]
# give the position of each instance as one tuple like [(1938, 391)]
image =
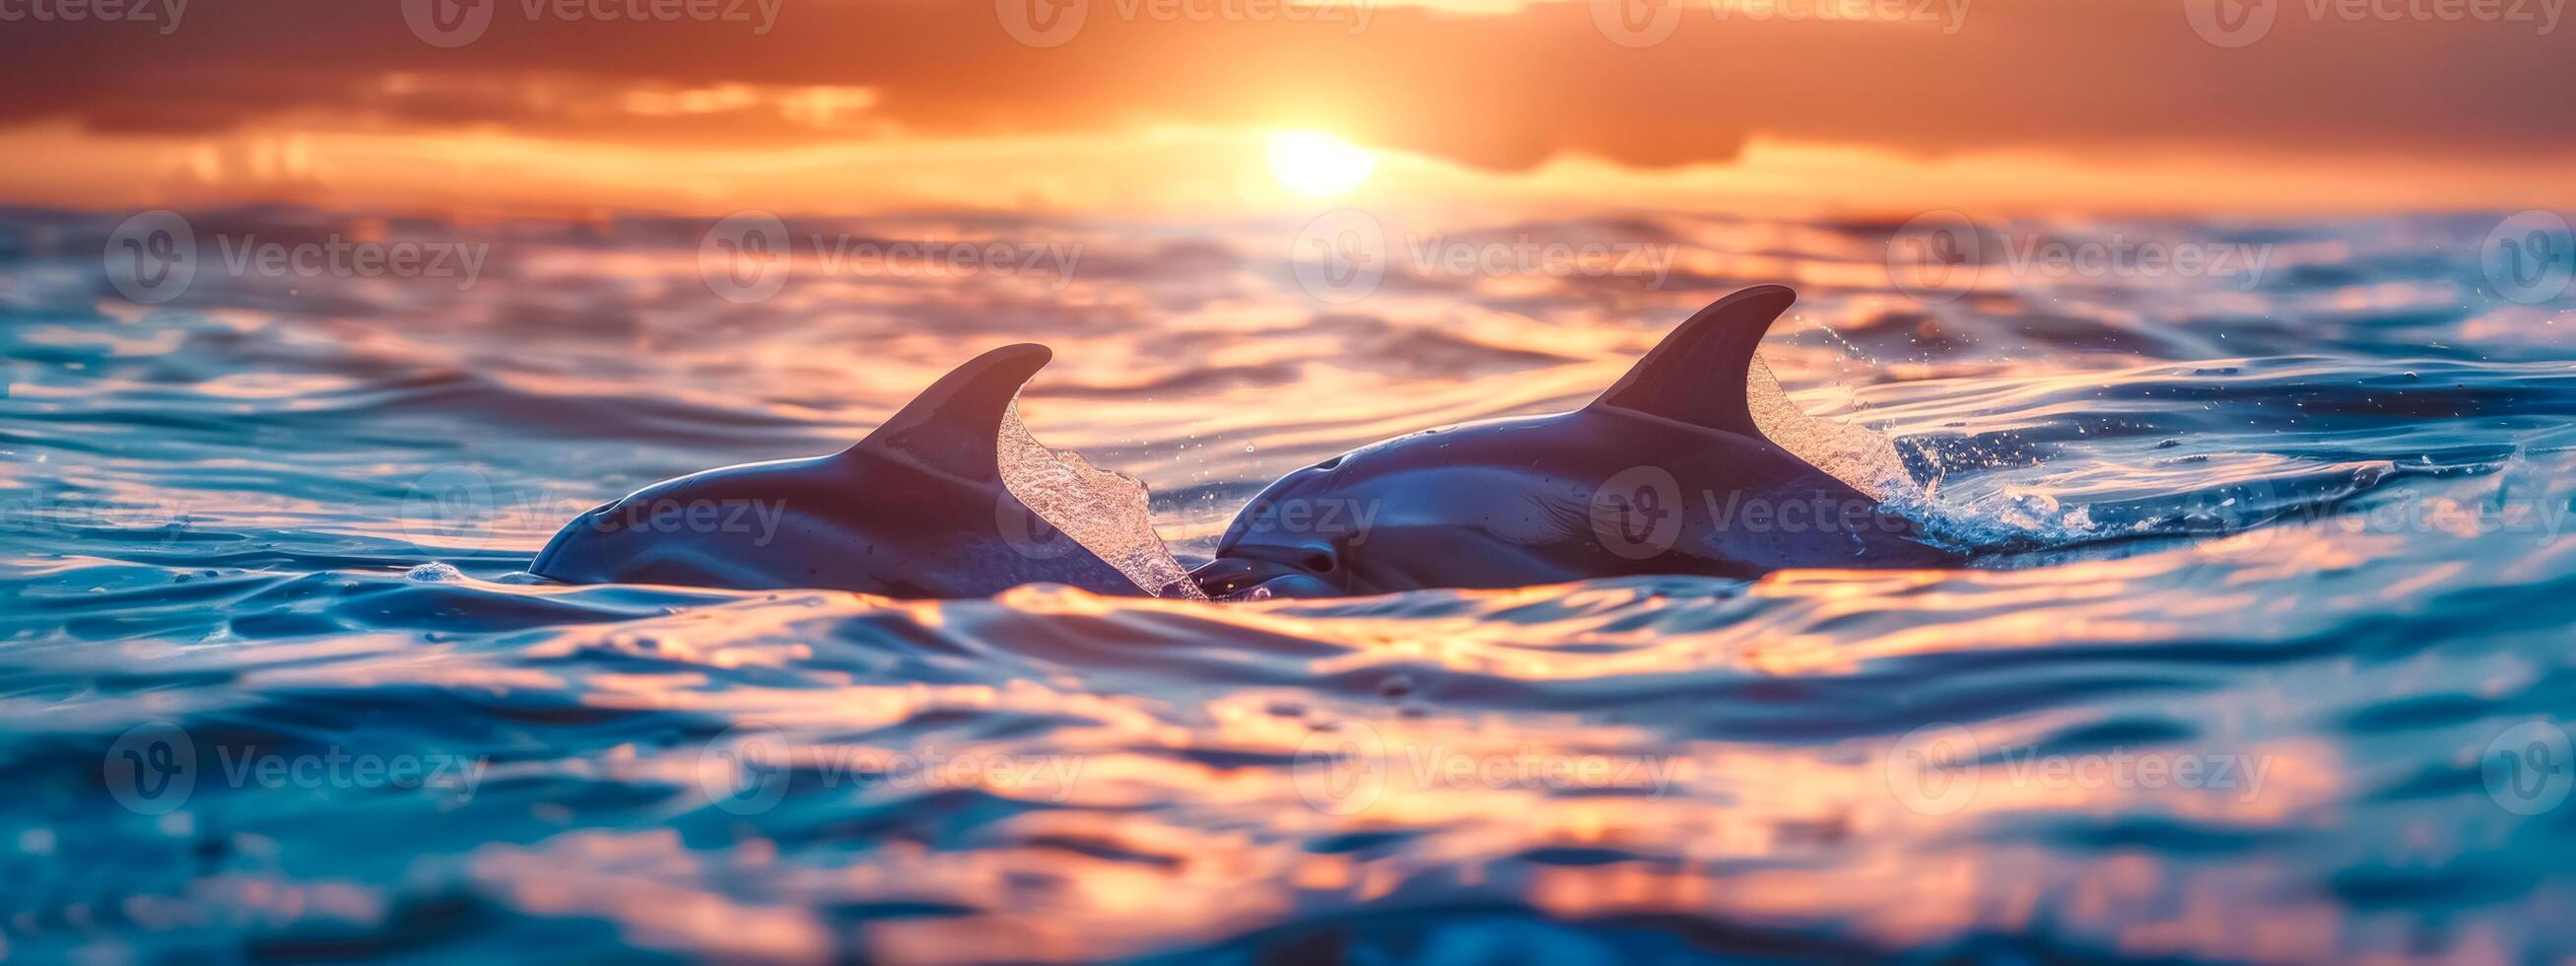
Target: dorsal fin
[(953, 426), (1696, 375)]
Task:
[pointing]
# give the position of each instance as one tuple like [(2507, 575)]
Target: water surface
[(2269, 662)]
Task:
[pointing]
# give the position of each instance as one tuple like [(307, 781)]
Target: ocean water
[(2264, 656)]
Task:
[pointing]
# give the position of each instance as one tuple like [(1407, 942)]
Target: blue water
[(2268, 662)]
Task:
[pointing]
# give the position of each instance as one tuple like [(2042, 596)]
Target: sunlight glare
[(1318, 165)]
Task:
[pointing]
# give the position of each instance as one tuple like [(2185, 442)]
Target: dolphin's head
[(1292, 540), (626, 538), (581, 551)]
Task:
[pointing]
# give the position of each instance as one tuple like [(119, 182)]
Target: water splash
[(1847, 451), (1866, 461), (1108, 513)]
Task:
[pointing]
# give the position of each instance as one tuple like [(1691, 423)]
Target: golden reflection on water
[(1188, 817), (1238, 768), (1800, 838)]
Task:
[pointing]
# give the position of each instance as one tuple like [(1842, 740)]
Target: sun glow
[(1318, 165)]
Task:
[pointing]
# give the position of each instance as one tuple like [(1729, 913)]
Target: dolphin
[(1665, 473), (917, 509)]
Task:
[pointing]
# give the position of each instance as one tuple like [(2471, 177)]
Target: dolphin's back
[(1601, 492), (918, 509), (1667, 472)]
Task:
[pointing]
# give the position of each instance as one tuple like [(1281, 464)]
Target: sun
[(1318, 165)]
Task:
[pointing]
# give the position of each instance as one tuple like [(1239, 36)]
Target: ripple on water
[(2266, 624)]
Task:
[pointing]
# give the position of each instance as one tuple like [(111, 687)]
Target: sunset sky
[(1197, 107)]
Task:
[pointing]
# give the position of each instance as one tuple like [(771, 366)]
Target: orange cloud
[(1497, 88)]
